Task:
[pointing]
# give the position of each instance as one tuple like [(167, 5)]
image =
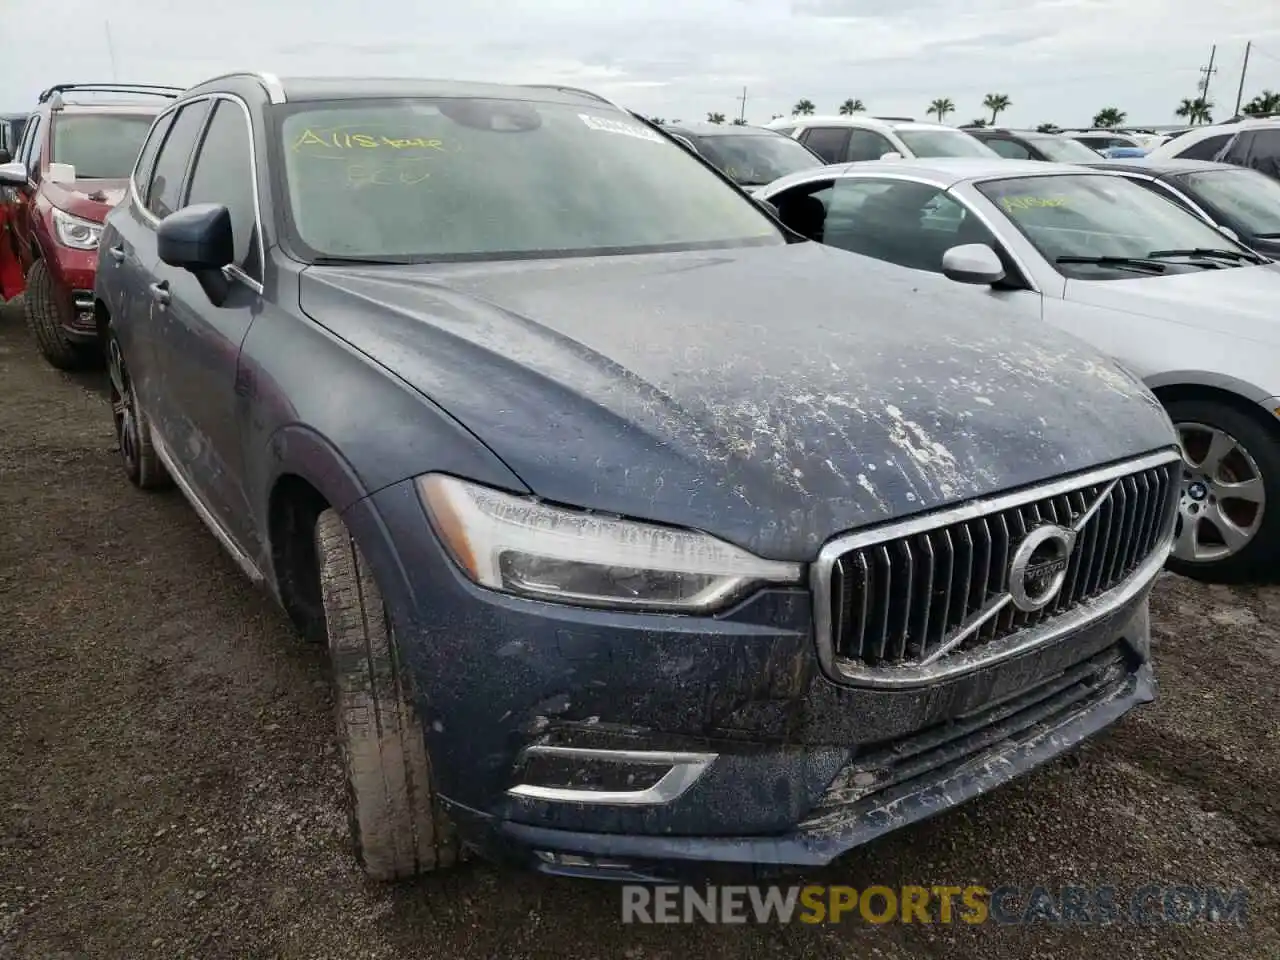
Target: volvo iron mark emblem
[(1039, 566)]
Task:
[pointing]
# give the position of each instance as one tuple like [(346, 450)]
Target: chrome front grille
[(913, 597)]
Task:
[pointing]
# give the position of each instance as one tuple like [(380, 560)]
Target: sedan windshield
[(101, 146), (754, 159), (943, 143), (1065, 150), (446, 178), (1247, 197), (1100, 227)]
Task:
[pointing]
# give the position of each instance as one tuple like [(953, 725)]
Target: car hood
[(1237, 302), (90, 199), (773, 396)]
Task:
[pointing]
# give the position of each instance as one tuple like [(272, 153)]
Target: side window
[(1206, 149), (163, 196), (33, 148), (868, 145), (1264, 152), (224, 173), (147, 159), (827, 142), (1009, 148), (20, 154), (898, 221)]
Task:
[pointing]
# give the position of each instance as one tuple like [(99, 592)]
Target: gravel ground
[(169, 786)]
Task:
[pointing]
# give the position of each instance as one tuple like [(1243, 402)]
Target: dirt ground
[(169, 785)]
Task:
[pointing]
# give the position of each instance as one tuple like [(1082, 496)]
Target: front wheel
[(44, 320), (396, 825), (1228, 526), (133, 430)]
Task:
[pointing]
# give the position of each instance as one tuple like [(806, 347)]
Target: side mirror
[(974, 263), (13, 175), (197, 238), (1229, 234), (891, 155), (62, 173)]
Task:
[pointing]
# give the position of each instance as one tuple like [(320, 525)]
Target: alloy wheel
[(123, 405), (1223, 495)]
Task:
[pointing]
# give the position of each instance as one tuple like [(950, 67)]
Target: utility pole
[(1208, 72), (111, 51), (1243, 70), (742, 114)]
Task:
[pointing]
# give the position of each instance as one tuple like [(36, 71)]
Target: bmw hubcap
[(1223, 495), (123, 407)]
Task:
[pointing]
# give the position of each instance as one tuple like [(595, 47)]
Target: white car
[(1176, 301), (849, 138), (1246, 143)]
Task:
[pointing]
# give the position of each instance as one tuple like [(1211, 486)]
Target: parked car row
[(669, 525)]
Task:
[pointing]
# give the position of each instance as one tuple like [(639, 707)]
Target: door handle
[(117, 253), (160, 293)]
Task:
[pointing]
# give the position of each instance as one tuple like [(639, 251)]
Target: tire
[(133, 429), (397, 828), (44, 319), (1256, 458)]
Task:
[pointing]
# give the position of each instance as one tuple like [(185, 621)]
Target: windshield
[(754, 159), (1249, 198), (445, 178), (101, 146), (1097, 215), (1065, 150), (943, 143)]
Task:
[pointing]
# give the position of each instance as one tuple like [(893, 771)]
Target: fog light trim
[(683, 771)]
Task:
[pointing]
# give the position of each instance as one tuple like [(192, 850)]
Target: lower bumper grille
[(913, 594)]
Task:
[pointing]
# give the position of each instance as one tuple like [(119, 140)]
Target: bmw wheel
[(1228, 526), (133, 430)]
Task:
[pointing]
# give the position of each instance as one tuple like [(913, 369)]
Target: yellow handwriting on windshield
[(386, 175), (346, 140), (1011, 204)]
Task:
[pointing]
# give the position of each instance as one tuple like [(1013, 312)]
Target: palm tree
[(941, 107), (850, 107), (996, 103), (1109, 117), (739, 122), (657, 120), (803, 108), (1048, 128), (1196, 111), (1265, 102), (715, 118), (776, 116), (980, 122)]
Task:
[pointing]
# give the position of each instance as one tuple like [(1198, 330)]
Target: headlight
[(518, 545), (74, 232)]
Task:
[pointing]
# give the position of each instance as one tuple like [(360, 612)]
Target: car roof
[(871, 123), (719, 129), (949, 171), (306, 88), (1162, 168), (1012, 132)]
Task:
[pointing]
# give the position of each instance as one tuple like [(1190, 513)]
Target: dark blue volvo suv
[(644, 533)]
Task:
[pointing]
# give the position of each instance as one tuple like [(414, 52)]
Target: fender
[(1204, 378), (301, 450)]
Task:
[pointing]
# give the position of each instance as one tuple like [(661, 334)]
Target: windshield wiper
[(1207, 253), (334, 260), (1142, 264)]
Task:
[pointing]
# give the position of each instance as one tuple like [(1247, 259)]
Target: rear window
[(100, 146), (754, 159), (943, 143)]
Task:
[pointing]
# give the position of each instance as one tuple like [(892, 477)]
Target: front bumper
[(72, 273), (801, 768)]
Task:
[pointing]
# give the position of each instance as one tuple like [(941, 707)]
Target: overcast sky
[(1057, 60)]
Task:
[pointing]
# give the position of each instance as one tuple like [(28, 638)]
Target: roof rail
[(902, 119), (151, 89), (269, 81)]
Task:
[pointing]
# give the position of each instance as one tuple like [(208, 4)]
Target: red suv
[(70, 168)]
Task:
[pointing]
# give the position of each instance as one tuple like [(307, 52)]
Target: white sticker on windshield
[(608, 125)]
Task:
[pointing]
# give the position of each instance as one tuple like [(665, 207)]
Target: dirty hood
[(90, 199), (773, 396)]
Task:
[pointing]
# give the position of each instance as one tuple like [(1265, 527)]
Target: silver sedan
[(1175, 300)]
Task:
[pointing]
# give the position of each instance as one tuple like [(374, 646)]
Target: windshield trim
[(294, 246)]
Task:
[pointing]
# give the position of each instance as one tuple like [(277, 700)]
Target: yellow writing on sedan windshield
[(1010, 204), (346, 140)]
